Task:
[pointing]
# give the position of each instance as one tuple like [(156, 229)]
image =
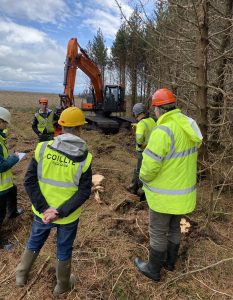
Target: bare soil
[(112, 234)]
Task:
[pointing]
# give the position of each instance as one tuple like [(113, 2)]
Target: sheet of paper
[(21, 155)]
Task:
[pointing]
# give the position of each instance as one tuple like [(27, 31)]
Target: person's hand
[(16, 154), (50, 215), (134, 126)]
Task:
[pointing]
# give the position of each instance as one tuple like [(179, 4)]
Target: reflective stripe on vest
[(173, 153), (5, 180), (170, 192), (170, 133), (56, 182), (138, 136), (147, 131), (153, 155)]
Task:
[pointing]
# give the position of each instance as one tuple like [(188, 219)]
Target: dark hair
[(168, 107)]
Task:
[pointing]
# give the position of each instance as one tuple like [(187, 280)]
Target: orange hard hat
[(162, 97), (71, 117), (43, 100)]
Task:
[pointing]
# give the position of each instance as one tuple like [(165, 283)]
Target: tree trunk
[(202, 49), (133, 86), (219, 97)]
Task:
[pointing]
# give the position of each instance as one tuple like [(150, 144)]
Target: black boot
[(6, 245), (17, 213), (172, 255), (141, 194), (3, 243), (133, 187), (153, 267)]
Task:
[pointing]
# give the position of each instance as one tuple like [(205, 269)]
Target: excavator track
[(106, 125)]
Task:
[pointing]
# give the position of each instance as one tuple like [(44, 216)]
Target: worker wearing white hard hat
[(8, 191)]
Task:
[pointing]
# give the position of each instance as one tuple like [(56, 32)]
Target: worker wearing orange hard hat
[(58, 181), (43, 122), (168, 173)]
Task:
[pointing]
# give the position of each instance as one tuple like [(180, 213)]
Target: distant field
[(27, 100)]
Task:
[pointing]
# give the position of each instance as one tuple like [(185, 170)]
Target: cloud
[(104, 20), (32, 32), (50, 11), (78, 9), (29, 55), (112, 5), (104, 14), (14, 33)]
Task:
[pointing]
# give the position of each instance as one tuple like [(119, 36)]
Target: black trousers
[(8, 203)]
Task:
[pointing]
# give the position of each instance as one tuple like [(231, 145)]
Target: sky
[(34, 35)]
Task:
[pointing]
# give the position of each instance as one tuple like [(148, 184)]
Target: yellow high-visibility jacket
[(6, 180), (143, 131), (169, 165)]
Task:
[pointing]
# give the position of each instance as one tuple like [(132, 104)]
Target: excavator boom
[(93, 72), (70, 69)]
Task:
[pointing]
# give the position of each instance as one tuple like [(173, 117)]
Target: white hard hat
[(5, 115)]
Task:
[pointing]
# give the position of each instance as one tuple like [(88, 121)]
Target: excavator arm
[(70, 69), (81, 60), (85, 64)]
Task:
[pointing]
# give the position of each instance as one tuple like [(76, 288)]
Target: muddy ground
[(112, 234)]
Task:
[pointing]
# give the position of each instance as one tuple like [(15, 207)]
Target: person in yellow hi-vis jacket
[(143, 129), (8, 190), (168, 173), (58, 181)]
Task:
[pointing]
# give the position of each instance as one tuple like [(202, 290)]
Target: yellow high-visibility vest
[(58, 178), (45, 123), (6, 180)]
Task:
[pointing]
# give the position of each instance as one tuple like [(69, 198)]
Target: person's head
[(43, 103), (163, 101), (139, 111), (71, 120), (5, 118)]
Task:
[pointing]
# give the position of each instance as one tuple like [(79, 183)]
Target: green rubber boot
[(24, 267), (65, 280)]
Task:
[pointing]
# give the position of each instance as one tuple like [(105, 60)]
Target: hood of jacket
[(186, 123), (71, 146)]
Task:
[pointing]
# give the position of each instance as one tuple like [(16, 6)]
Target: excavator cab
[(113, 99)]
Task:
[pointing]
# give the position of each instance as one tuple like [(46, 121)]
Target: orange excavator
[(104, 101)]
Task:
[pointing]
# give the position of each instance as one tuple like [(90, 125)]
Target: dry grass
[(108, 240), (22, 101)]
